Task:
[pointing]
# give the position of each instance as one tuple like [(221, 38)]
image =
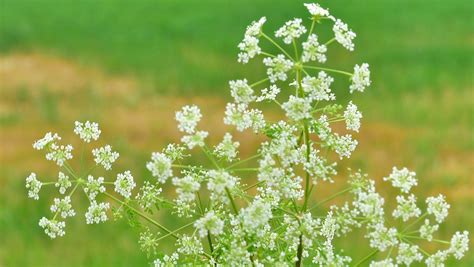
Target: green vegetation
[(419, 109)]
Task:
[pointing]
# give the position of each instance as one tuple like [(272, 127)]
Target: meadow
[(130, 64)]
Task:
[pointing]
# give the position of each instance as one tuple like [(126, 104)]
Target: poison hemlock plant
[(276, 220)]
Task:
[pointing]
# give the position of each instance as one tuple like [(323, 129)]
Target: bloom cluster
[(261, 210)]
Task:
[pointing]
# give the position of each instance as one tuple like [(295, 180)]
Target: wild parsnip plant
[(276, 220)]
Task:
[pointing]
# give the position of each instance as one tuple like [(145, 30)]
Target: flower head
[(277, 67), (59, 153), (403, 179), (211, 223), (63, 207), (33, 186), (105, 156), (188, 117), (352, 117), (196, 139), (46, 141), (63, 183), (318, 88), (241, 91), (160, 166), (438, 207), (94, 186), (124, 184), (292, 29), (312, 50), (87, 131), (344, 35), (360, 78), (97, 213), (52, 228)]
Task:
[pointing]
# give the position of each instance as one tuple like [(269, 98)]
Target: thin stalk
[(229, 195), (328, 69), (277, 45), (244, 160), (366, 258), (330, 198), (259, 82)]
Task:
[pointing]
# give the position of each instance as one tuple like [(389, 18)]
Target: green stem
[(144, 216), (244, 160), (254, 185), (259, 82), (330, 198), (229, 195), (330, 41), (366, 258), (277, 45), (328, 69)]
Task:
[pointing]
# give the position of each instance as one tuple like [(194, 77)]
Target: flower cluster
[(261, 209)]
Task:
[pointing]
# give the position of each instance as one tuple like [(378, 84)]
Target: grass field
[(130, 64)]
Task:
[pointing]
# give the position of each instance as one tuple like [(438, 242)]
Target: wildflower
[(167, 261), (160, 166), (87, 131), (297, 108), (317, 11), (437, 259), (406, 208), (148, 196), (312, 50), (33, 186), (52, 228), (277, 67), (318, 168), (63, 207), (189, 245), (249, 46), (124, 184), (256, 119), (427, 230), (292, 29), (211, 223), (186, 188), (188, 118), (105, 156), (97, 213), (241, 91), (352, 117), (407, 254), (318, 88), (382, 238), (403, 179), (63, 183), (148, 242), (256, 215), (343, 145), (46, 141), (383, 263), (59, 154), (438, 207), (268, 93), (219, 180), (344, 35), (237, 115), (196, 139), (360, 78), (227, 149), (174, 152), (94, 186), (459, 244)]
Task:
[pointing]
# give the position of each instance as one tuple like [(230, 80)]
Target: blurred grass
[(419, 111)]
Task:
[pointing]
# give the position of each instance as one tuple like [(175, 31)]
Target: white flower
[(63, 183), (297, 108), (437, 259), (406, 208), (87, 131), (160, 166), (343, 145), (407, 254), (403, 179), (318, 88), (148, 196), (33, 186), (196, 139), (292, 29), (188, 118), (46, 141), (344, 35), (352, 117), (438, 207), (383, 263), (277, 67), (124, 184), (227, 149), (52, 228), (63, 207), (167, 261), (189, 245), (219, 180), (249, 46), (186, 188), (312, 50), (360, 78), (59, 154), (459, 244), (241, 91), (256, 215), (97, 213), (257, 120), (316, 10), (237, 115), (427, 230), (105, 156), (94, 186), (318, 168), (211, 223), (148, 242), (269, 93), (382, 238)]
